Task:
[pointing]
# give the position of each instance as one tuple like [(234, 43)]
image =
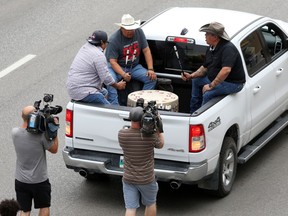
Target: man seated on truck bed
[(123, 52), (89, 71), (222, 72)]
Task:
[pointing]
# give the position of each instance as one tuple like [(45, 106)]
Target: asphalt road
[(53, 31)]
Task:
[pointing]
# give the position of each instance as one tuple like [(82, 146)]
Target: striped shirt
[(88, 72), (138, 150)]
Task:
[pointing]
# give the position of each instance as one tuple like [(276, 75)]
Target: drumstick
[(134, 54), (127, 56), (133, 59), (177, 56)]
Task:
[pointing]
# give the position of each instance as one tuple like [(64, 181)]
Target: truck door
[(280, 68), (261, 82), (275, 40)]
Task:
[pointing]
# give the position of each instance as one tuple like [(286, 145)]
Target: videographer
[(139, 178), (31, 176)]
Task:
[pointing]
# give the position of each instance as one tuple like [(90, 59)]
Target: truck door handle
[(124, 117), (279, 72), (256, 89)]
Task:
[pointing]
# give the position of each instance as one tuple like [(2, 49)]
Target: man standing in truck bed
[(139, 178)]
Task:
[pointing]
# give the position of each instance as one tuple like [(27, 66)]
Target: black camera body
[(150, 121), (42, 120)]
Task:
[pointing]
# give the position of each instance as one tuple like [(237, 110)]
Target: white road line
[(16, 65)]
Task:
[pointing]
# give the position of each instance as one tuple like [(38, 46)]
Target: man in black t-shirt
[(222, 72)]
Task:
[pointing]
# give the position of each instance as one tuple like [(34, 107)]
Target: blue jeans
[(198, 99), (99, 97), (137, 73), (133, 192)]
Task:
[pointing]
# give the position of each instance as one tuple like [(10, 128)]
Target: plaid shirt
[(88, 72)]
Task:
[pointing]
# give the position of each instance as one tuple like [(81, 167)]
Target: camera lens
[(140, 102)]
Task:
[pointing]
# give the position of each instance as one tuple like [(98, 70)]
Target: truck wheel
[(227, 167)]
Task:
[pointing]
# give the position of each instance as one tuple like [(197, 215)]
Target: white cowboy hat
[(128, 22)]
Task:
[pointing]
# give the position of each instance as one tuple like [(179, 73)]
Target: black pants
[(40, 193)]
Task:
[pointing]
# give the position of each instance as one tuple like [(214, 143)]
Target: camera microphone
[(59, 108)]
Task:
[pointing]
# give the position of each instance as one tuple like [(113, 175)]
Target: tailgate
[(96, 128)]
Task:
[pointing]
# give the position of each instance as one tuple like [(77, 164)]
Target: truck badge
[(214, 124)]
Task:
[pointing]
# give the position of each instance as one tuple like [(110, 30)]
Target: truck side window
[(252, 51), (274, 38)]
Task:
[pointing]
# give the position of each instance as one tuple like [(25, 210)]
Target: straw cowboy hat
[(128, 22), (215, 28)]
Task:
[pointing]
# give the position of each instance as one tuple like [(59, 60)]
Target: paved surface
[(54, 31)]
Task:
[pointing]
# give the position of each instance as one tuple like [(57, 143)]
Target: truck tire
[(96, 176), (227, 167)]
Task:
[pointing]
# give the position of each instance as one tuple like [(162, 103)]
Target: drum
[(164, 100)]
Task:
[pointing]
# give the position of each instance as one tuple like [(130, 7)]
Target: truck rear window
[(164, 57)]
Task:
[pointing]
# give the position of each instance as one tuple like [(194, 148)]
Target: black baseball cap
[(97, 37)]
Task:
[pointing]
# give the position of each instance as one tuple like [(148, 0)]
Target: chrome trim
[(193, 173)]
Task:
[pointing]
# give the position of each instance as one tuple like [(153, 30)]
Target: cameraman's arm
[(54, 148), (159, 124), (160, 132), (161, 140)]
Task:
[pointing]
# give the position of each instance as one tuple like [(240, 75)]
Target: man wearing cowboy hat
[(123, 53), (222, 72)]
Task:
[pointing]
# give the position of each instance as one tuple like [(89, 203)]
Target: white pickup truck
[(202, 148)]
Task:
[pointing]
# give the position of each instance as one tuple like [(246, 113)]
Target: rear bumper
[(108, 163)]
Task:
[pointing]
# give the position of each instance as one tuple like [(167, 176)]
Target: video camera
[(42, 120), (151, 121)]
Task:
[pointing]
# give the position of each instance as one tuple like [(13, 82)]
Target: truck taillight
[(196, 138), (69, 123)]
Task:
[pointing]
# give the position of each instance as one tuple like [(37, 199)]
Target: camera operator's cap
[(97, 37), (215, 28), (136, 114), (128, 22)]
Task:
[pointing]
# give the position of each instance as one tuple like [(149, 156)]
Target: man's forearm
[(221, 76), (54, 148), (199, 73), (117, 68), (148, 58)]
